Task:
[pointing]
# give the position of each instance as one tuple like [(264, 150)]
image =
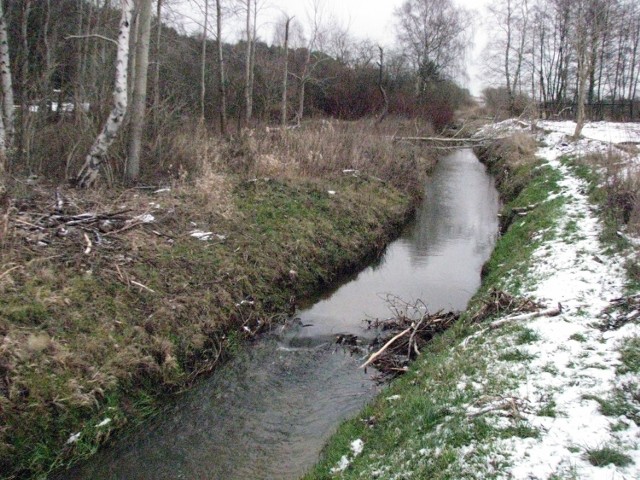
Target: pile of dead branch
[(499, 302), (50, 217), (620, 312), (402, 339)]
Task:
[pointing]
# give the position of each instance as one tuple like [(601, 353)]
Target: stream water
[(266, 414)]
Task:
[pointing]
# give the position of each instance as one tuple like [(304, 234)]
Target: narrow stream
[(267, 413)]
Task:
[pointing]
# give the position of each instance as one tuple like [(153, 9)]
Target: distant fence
[(624, 110)]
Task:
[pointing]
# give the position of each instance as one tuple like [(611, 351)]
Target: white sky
[(371, 19)]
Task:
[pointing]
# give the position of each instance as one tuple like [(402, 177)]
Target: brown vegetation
[(103, 308)]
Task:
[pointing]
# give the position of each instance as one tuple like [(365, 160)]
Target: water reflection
[(267, 414)]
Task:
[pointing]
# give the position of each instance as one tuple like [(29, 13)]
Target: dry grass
[(325, 149), (147, 310), (511, 160), (620, 180)]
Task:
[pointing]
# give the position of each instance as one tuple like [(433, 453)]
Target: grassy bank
[(100, 319), (535, 397), (418, 427)]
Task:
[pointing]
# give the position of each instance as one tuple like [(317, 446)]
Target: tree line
[(67, 65), (571, 57)]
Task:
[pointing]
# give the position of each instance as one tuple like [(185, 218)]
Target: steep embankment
[(107, 304), (519, 389)]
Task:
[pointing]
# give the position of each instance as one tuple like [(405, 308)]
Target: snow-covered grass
[(545, 398)]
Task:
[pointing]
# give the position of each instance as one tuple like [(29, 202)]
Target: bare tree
[(139, 91), (203, 60), (91, 167), (508, 45), (8, 106), (222, 88), (248, 66), (432, 32), (283, 105), (383, 92), (156, 73)]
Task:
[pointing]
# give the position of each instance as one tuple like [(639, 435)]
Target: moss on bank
[(91, 342), (418, 427)]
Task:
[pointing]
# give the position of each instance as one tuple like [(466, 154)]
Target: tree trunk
[(222, 82), (584, 60), (283, 106), (91, 168), (203, 62), (8, 106), (252, 70), (139, 91), (383, 92), (247, 72), (23, 152), (156, 73)]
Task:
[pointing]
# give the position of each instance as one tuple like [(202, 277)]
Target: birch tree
[(285, 77), (222, 87), (8, 106), (248, 100), (139, 91), (156, 72), (91, 167)]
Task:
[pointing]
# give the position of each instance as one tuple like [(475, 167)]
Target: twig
[(142, 286), (550, 312), (6, 272), (413, 334), (92, 35), (87, 250), (386, 345)]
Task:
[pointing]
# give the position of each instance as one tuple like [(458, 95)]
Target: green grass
[(516, 355), (630, 356), (578, 337), (432, 415), (85, 346), (511, 256), (549, 409), (603, 456), (527, 336)]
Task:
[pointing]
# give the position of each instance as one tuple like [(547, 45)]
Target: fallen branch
[(386, 345), (144, 287), (550, 312), (87, 250), (442, 139)]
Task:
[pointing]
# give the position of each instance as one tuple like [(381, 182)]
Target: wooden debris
[(402, 338), (621, 311), (549, 312), (500, 302)]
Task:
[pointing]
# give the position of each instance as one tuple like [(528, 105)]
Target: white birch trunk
[(91, 168), (247, 73), (283, 106), (203, 63), (8, 105), (138, 109), (3, 155)]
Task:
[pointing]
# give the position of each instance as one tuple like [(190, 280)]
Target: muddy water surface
[(266, 414)]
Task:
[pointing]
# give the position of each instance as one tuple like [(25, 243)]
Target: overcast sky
[(371, 19)]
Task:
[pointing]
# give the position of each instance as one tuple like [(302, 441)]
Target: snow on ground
[(575, 365)]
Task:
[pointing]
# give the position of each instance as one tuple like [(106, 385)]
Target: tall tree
[(8, 106), (432, 32), (203, 61), (248, 100), (222, 87), (285, 77), (91, 167), (139, 91), (156, 73)]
